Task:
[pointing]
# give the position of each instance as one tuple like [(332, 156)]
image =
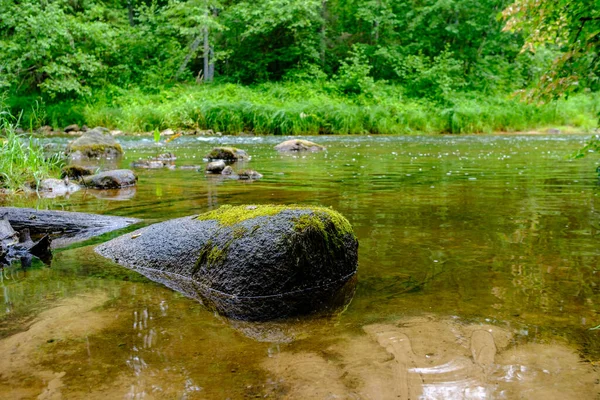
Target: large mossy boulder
[(227, 154), (249, 262), (298, 145), (94, 143)]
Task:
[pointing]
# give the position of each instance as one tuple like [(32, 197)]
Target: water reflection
[(458, 236)]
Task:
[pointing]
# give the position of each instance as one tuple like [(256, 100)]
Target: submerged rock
[(298, 145), (249, 262), (215, 167), (57, 187), (166, 157), (227, 154), (248, 174), (115, 179), (149, 164), (93, 144)]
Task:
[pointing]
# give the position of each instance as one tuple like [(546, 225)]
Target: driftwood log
[(64, 227)]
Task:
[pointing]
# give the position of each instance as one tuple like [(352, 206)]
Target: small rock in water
[(94, 144), (215, 167), (249, 174), (149, 164), (227, 154), (166, 157), (298, 145), (57, 186), (227, 171), (115, 179), (167, 132), (72, 128)]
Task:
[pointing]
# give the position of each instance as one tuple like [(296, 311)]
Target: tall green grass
[(315, 108), (22, 159)]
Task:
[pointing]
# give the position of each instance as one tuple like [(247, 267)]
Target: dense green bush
[(315, 108)]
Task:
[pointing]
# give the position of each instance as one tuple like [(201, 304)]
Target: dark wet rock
[(116, 179), (248, 262), (215, 167), (228, 171), (227, 154), (76, 171), (57, 186), (148, 164), (298, 145), (72, 128), (94, 144), (248, 174), (166, 157), (64, 227)]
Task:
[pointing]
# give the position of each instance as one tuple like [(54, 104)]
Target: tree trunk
[(193, 48), (206, 50), (130, 12), (323, 30)]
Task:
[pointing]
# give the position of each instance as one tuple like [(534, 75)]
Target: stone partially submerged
[(94, 144), (298, 145), (115, 179), (249, 262), (227, 154)]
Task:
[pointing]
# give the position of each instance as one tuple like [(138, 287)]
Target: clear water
[(458, 234)]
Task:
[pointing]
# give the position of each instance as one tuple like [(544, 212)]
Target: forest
[(301, 66)]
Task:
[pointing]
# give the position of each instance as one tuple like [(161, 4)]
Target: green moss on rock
[(232, 215), (227, 154), (95, 143)]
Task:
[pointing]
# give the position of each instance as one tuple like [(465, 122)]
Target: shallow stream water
[(478, 278)]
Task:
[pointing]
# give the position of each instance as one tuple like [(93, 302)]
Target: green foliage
[(349, 66), (23, 160), (304, 108), (353, 75), (570, 27), (65, 49)]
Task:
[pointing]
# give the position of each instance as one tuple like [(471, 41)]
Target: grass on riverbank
[(22, 159), (305, 108)]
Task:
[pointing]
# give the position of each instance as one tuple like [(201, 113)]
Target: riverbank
[(305, 108)]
